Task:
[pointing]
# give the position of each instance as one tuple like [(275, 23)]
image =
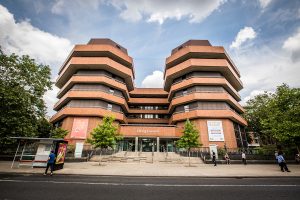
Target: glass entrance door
[(128, 144), (167, 145), (147, 144)]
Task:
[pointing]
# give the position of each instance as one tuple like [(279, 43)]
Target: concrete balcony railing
[(88, 112), (95, 79), (208, 114), (207, 81)]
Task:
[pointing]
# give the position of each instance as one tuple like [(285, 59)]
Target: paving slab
[(162, 169)]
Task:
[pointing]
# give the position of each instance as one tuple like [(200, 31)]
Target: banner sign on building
[(79, 129), (78, 149), (215, 131), (61, 153)]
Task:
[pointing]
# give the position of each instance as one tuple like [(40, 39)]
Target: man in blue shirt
[(50, 163), (281, 162)]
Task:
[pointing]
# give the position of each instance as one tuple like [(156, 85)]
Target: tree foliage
[(190, 137), (276, 115), (22, 86), (105, 135), (256, 110), (59, 133), (44, 128)]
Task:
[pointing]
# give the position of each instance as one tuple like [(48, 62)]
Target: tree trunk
[(100, 156)]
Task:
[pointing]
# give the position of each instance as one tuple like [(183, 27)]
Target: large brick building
[(201, 84)]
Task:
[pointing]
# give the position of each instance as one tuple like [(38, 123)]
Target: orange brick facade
[(201, 84)]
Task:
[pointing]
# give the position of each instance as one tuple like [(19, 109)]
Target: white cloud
[(155, 80), (50, 99), (66, 6), (264, 68), (264, 3), (292, 45), (159, 11), (243, 35), (24, 39), (251, 95)]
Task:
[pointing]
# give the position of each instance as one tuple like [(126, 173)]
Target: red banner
[(79, 129)]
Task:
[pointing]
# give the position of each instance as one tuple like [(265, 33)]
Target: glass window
[(111, 90), (109, 107), (186, 108), (184, 92)]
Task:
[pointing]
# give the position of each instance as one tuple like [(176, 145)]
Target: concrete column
[(136, 144), (157, 144)]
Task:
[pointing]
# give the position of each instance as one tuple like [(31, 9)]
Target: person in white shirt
[(244, 158), (282, 162)]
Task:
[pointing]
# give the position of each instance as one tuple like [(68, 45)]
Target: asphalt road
[(58, 187)]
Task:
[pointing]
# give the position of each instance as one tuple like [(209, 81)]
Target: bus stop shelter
[(34, 152)]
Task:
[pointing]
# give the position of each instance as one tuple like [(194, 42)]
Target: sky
[(261, 36)]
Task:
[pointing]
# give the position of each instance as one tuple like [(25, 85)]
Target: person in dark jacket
[(214, 158), (50, 163), (281, 162)]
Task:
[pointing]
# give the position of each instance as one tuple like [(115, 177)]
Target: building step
[(147, 157)]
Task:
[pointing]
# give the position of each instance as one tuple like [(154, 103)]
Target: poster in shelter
[(61, 153)]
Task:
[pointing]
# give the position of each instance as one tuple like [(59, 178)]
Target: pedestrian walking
[(276, 154), (214, 158), (50, 163), (281, 162), (244, 158), (297, 158), (227, 159)]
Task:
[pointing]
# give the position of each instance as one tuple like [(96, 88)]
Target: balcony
[(104, 63), (211, 81), (205, 96), (219, 65), (207, 114), (87, 112), (99, 51), (102, 95), (203, 52), (103, 79), (147, 121)]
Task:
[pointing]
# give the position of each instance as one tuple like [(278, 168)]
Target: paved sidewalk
[(162, 169)]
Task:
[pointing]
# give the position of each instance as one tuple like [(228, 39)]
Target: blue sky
[(261, 36)]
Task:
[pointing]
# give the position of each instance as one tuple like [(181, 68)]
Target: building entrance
[(147, 144), (166, 145), (155, 144), (128, 144)]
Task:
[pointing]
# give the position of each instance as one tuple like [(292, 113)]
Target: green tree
[(105, 135), (284, 116), (189, 139), (22, 86), (255, 111), (59, 133), (276, 116), (44, 128)]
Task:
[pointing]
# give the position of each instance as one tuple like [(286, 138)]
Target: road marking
[(146, 184)]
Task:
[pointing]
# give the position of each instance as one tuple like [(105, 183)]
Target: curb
[(139, 176)]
